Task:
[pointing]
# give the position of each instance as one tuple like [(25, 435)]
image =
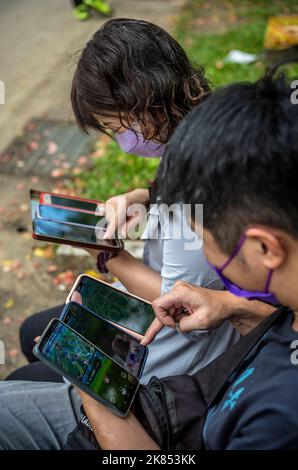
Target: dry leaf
[(52, 148), (13, 353), (82, 160), (33, 145), (9, 303), (57, 173), (66, 278), (52, 268)]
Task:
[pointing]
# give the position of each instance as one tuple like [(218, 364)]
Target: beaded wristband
[(102, 258)]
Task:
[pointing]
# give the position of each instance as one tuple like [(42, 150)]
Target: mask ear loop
[(234, 253), (268, 281), (232, 256)]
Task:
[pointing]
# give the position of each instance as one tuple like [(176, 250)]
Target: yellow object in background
[(281, 32), (91, 272)]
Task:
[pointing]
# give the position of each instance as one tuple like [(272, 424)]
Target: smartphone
[(70, 234), (121, 346), (78, 203), (87, 367), (119, 307), (60, 214)]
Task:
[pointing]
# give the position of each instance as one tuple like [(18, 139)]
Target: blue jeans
[(37, 416)]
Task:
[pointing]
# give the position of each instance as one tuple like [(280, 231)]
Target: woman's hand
[(117, 214)]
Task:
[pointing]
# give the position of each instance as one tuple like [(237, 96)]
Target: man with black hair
[(242, 165)]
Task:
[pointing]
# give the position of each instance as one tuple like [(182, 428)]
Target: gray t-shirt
[(172, 353)]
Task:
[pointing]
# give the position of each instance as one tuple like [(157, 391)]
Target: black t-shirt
[(259, 410)]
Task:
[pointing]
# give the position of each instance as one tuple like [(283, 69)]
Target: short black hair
[(134, 70), (237, 154)]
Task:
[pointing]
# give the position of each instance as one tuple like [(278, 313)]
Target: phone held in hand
[(87, 367), (117, 306), (121, 346), (71, 202), (70, 227), (70, 216)]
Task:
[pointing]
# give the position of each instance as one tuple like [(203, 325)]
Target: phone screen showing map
[(117, 344), (79, 359), (115, 305)]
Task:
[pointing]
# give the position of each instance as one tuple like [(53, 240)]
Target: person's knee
[(15, 375)]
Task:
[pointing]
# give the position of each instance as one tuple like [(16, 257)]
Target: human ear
[(273, 251)]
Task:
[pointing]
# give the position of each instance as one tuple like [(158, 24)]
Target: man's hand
[(191, 307), (113, 432), (198, 308)]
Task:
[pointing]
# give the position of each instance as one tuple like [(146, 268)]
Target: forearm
[(138, 278), (115, 433), (246, 314)]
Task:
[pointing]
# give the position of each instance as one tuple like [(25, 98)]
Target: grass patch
[(245, 32), (243, 26), (116, 172)]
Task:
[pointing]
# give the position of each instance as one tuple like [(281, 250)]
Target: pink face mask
[(131, 142)]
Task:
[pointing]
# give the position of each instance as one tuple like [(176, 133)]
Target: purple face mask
[(264, 296), (132, 142)]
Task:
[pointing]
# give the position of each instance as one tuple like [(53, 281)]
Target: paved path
[(38, 41)]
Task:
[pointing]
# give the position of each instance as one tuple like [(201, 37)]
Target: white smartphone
[(122, 308)]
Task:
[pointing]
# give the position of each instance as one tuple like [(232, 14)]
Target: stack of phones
[(95, 343), (70, 220)]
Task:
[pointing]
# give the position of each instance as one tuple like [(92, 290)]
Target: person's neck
[(295, 322)]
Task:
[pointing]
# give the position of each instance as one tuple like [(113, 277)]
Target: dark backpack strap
[(215, 376)]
